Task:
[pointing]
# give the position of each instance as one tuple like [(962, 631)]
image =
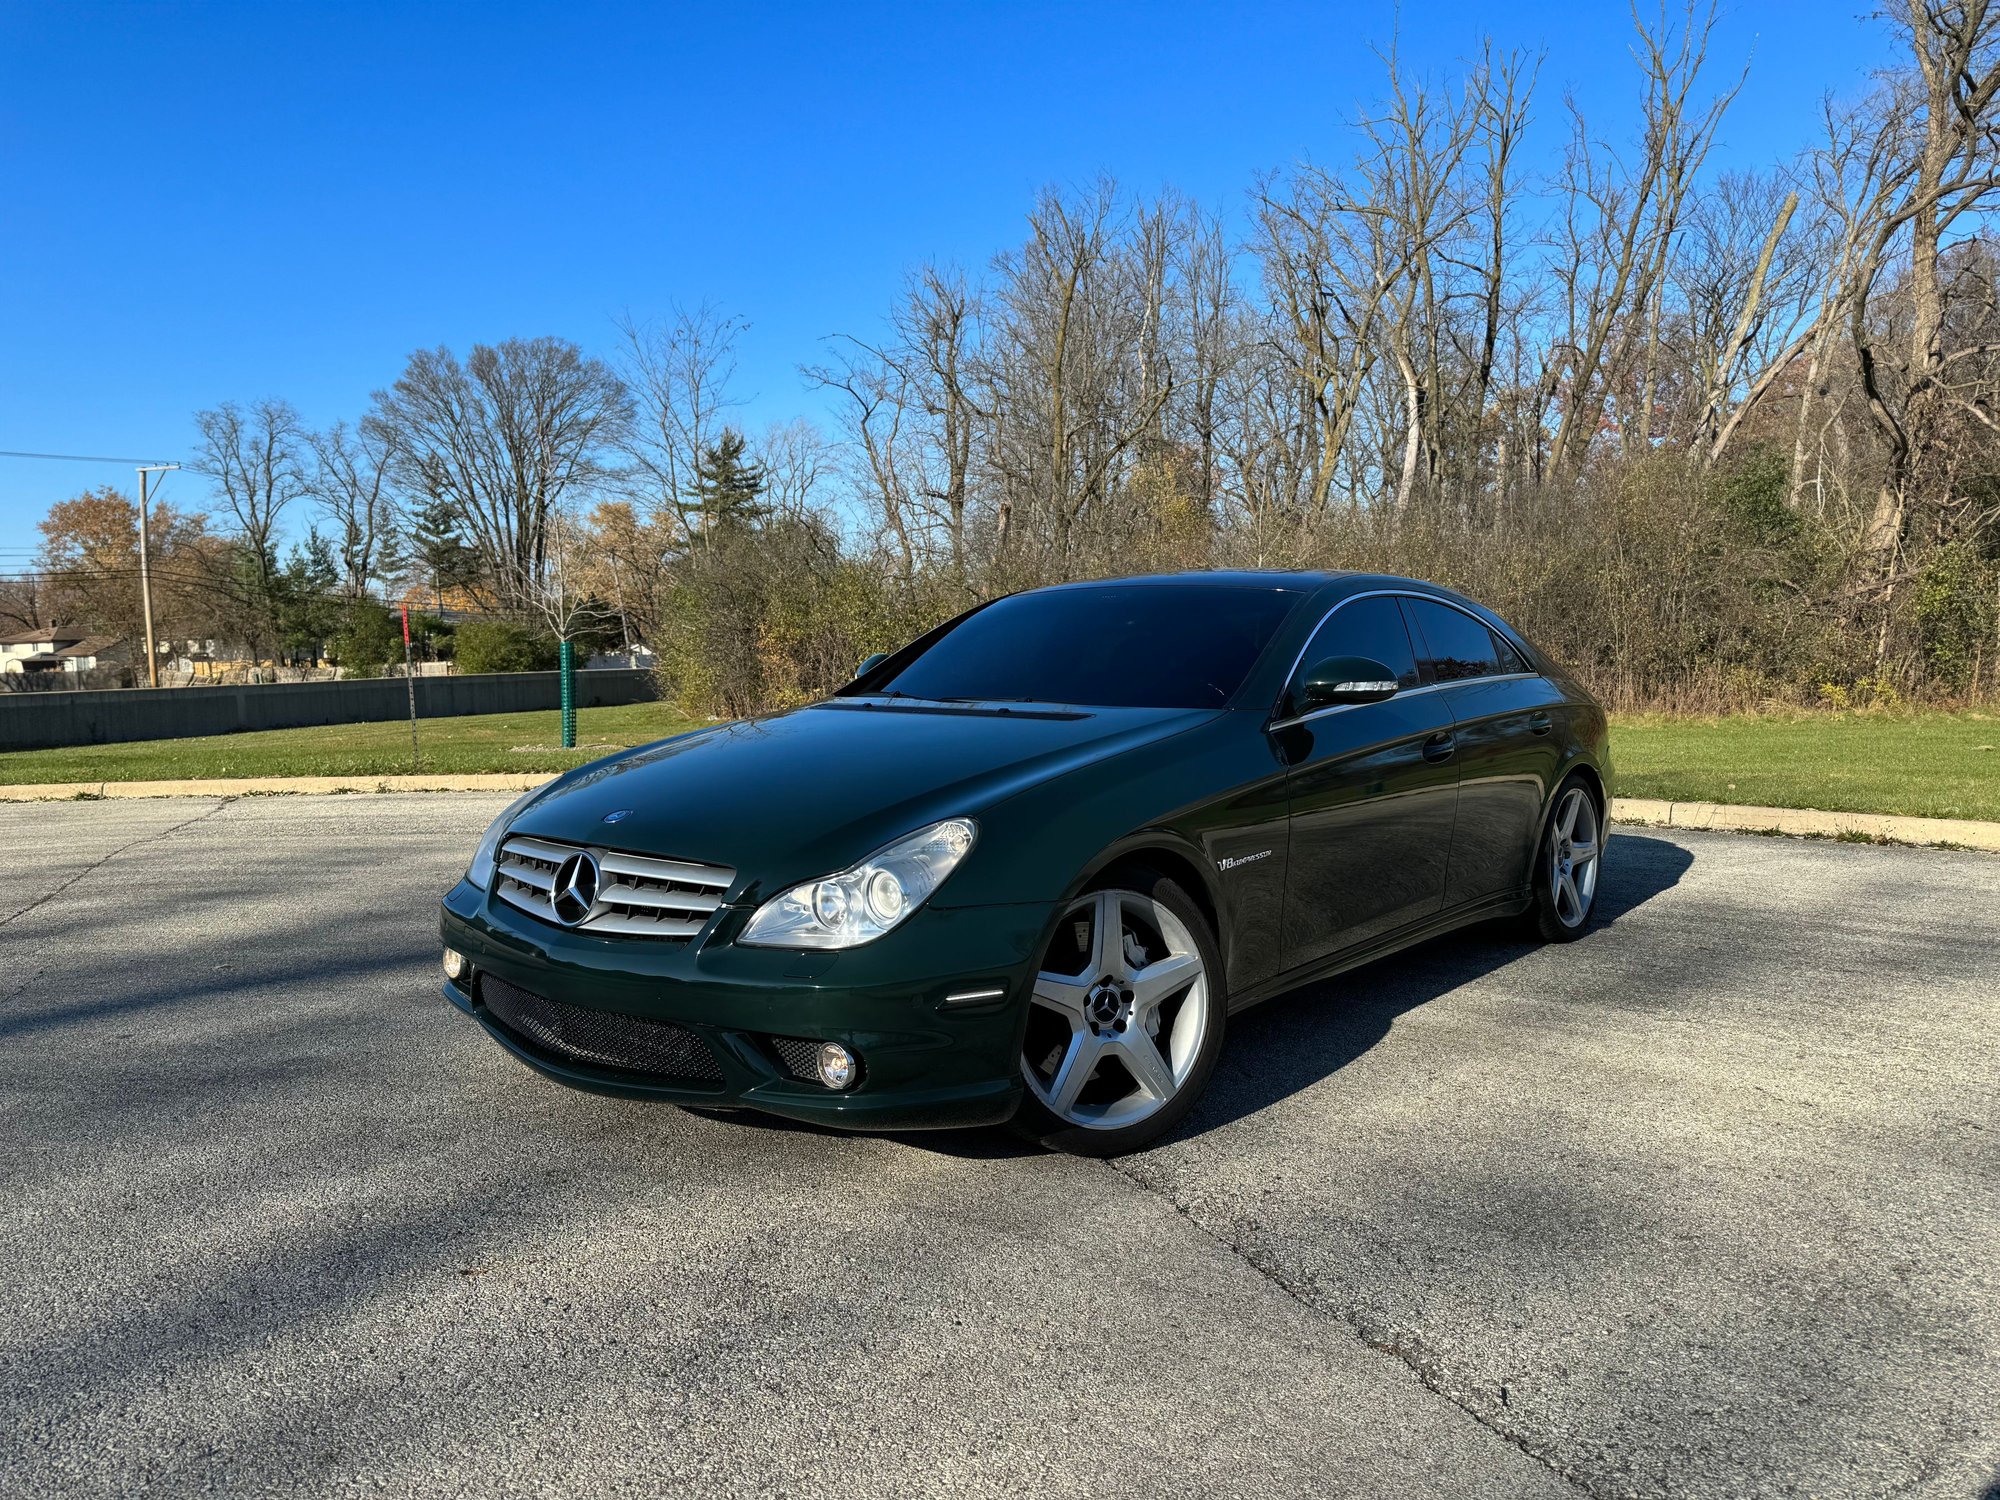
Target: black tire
[(1555, 916), (1036, 1122)]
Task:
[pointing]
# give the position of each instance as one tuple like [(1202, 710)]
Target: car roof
[(1323, 587), (1277, 580)]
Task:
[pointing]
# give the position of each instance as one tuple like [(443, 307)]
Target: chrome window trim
[(1415, 692), (1312, 635)]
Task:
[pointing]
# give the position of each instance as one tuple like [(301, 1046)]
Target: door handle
[(1439, 746), (1540, 723)]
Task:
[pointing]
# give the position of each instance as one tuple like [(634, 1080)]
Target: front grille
[(603, 1039), (638, 895)]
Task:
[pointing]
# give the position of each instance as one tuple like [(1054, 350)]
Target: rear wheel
[(1568, 863), (1126, 1019)]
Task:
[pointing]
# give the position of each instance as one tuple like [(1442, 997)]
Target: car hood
[(785, 798)]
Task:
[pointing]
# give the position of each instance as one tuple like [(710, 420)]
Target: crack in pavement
[(92, 868), (1409, 1352)]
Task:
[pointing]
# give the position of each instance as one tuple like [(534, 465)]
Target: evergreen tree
[(306, 607), (726, 487), (436, 553)]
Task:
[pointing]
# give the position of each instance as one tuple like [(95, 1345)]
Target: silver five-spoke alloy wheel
[(1110, 1044), (1575, 844)]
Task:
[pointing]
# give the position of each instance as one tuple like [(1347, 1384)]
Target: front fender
[(1046, 841)]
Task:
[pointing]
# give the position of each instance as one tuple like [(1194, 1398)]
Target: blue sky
[(215, 201)]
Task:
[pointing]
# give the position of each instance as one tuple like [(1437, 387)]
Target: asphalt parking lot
[(1707, 1204)]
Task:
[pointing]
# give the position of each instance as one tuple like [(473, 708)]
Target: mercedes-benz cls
[(1025, 868)]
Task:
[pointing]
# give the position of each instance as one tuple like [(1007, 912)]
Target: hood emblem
[(618, 817), (574, 894)]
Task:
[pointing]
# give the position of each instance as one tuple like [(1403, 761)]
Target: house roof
[(91, 645), (51, 635)]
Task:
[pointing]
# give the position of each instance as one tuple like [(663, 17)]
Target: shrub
[(432, 637), (504, 646), (1954, 614), (369, 639)]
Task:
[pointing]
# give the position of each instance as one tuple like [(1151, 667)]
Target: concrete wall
[(38, 721)]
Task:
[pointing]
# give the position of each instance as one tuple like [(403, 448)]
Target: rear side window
[(1367, 627), (1453, 646)]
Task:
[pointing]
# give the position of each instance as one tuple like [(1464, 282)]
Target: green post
[(569, 696)]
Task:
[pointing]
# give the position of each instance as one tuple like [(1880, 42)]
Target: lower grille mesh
[(799, 1057), (600, 1038)]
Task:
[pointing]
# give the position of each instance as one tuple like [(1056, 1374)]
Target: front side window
[(1371, 627), (1455, 646), (1106, 646)]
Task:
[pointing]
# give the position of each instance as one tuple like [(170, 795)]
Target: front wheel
[(1568, 863), (1125, 1021)]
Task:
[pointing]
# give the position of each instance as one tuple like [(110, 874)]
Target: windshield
[(1129, 646)]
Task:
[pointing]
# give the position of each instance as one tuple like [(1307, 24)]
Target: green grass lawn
[(1929, 765), (480, 742)]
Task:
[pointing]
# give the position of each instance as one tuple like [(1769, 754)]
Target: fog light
[(454, 963), (837, 1068)]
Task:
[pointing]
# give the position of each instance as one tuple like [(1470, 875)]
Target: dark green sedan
[(1025, 868)]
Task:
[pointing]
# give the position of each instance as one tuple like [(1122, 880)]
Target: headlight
[(859, 905), (480, 872)]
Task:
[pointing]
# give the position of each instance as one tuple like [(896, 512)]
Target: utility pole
[(146, 471), (410, 678)]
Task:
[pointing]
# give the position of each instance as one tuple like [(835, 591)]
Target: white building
[(53, 650)]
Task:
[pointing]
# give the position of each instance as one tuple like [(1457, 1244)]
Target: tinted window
[(1367, 627), (1455, 646), (1146, 646), (1510, 659)]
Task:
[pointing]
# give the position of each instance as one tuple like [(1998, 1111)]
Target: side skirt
[(1492, 907)]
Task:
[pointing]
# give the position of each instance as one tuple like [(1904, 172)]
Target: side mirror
[(870, 664), (1335, 680)]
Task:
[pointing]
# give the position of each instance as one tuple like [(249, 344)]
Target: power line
[(99, 573), (80, 458)]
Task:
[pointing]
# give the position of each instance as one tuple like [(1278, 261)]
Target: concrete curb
[(1712, 816), (265, 786), (1808, 823)]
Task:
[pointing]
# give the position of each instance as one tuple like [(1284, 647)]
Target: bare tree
[(941, 365), (680, 373), (253, 458), (1619, 231), (1947, 116), (557, 593), (1330, 264), (1750, 304), (796, 459), (1414, 170), (1074, 320), (874, 418), (1503, 89), (350, 480), (505, 439), (1213, 324)]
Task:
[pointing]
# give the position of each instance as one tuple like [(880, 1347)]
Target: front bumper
[(926, 1062)]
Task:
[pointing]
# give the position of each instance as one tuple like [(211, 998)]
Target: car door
[(1506, 721), (1371, 789)]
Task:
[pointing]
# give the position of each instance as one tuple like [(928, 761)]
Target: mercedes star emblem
[(575, 891)]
